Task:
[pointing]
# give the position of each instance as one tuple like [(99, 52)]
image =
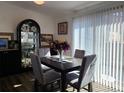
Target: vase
[(60, 55)]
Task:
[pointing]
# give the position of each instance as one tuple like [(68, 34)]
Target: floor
[(24, 83)]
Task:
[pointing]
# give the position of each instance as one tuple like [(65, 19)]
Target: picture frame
[(9, 36), (46, 39), (63, 28)]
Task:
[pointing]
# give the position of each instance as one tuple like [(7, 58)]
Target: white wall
[(67, 37), (11, 15)]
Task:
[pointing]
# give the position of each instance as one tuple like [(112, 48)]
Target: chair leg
[(73, 89), (43, 88), (59, 83), (90, 89), (52, 86), (78, 90), (35, 85)]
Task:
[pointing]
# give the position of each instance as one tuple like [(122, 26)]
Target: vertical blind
[(102, 33)]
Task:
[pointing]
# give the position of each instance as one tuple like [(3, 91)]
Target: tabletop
[(68, 63)]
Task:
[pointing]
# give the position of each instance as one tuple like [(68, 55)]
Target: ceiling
[(56, 8)]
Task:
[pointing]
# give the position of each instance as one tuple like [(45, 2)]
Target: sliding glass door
[(102, 33)]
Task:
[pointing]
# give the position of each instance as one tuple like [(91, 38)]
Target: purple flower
[(60, 45)]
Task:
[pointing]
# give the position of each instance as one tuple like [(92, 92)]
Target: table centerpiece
[(61, 47)]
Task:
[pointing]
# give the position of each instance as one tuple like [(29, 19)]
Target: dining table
[(66, 65)]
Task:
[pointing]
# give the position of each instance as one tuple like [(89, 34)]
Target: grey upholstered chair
[(42, 53), (79, 53), (85, 76), (41, 78)]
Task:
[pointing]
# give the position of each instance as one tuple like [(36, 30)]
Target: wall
[(67, 37), (11, 15)]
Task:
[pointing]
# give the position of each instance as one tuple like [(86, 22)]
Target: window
[(103, 34)]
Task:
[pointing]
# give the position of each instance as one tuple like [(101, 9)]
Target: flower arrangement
[(60, 45)]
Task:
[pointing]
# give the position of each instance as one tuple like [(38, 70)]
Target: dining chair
[(42, 78), (53, 50), (79, 53), (43, 52), (85, 76)]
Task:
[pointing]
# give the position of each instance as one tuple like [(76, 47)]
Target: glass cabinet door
[(28, 45), (28, 36)]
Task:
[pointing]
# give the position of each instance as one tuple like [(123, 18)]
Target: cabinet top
[(7, 49)]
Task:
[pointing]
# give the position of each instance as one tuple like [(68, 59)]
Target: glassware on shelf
[(28, 44)]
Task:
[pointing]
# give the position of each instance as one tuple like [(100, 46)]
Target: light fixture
[(39, 2)]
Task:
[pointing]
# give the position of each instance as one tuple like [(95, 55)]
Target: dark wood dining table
[(63, 67)]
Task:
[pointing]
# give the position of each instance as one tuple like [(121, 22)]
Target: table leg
[(90, 89), (63, 82)]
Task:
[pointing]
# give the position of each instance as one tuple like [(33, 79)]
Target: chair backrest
[(53, 51), (79, 53), (37, 68), (87, 70), (43, 51)]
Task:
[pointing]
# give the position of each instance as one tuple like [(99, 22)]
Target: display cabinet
[(28, 35)]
